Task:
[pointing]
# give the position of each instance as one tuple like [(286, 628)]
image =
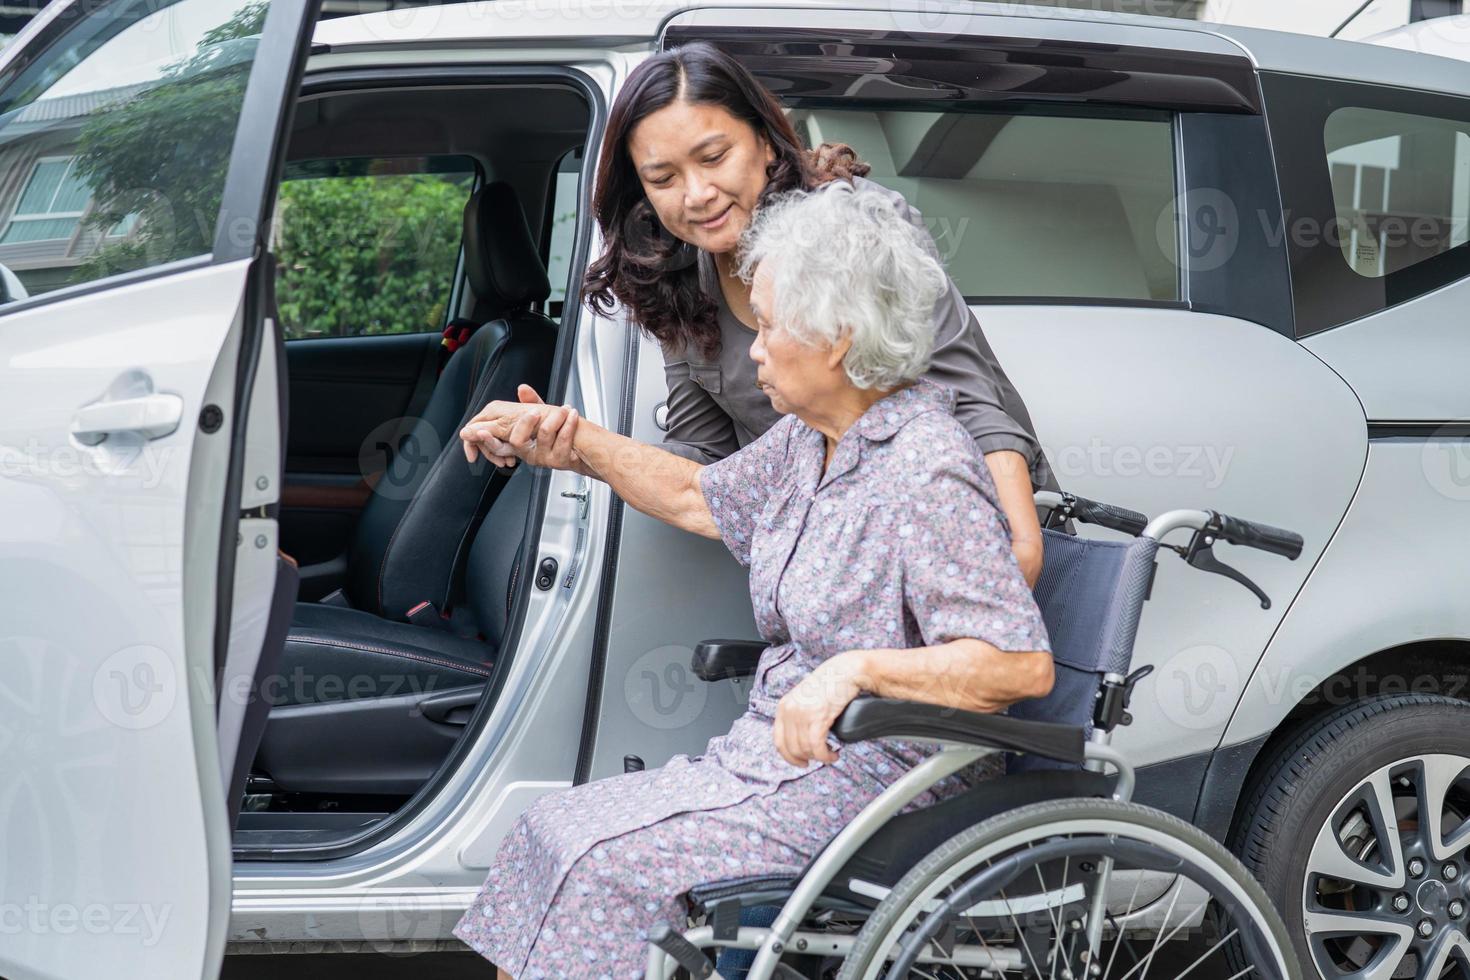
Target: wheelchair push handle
[(1110, 516), (1066, 506), (1264, 537)]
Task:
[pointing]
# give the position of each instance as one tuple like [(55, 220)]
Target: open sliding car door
[(140, 437)]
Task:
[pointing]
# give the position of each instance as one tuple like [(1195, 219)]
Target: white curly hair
[(844, 262)]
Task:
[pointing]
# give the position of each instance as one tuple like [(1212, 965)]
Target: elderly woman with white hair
[(880, 563)]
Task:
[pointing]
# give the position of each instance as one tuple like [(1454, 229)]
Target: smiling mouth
[(716, 219)]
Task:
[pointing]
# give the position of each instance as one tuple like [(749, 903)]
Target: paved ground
[(469, 966)]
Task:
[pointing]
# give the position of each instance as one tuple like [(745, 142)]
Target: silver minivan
[(279, 669)]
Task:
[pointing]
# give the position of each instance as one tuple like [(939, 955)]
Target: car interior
[(423, 238)]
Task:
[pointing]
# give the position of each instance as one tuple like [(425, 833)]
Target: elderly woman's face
[(702, 169), (795, 376)]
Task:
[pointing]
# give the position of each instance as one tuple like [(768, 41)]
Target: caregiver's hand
[(529, 429), (806, 713)]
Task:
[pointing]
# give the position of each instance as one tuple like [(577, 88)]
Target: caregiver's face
[(795, 376), (702, 170)]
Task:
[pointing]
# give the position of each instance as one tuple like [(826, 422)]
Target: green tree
[(367, 254), (160, 157)]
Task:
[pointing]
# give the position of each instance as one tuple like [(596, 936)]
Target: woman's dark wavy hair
[(653, 274)]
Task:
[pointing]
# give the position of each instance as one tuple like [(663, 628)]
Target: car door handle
[(150, 416)]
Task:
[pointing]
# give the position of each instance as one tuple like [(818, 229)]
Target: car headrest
[(504, 268)]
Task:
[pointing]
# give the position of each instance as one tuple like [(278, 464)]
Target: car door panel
[(103, 810), (1163, 409), (350, 399), (1407, 362), (671, 590), (124, 406)]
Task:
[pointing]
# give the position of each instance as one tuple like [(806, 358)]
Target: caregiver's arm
[(1018, 502)]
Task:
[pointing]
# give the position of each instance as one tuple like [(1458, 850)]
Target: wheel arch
[(1434, 666)]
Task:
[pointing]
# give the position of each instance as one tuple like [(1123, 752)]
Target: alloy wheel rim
[(1386, 894)]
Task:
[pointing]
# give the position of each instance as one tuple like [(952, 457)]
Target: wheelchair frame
[(964, 737)]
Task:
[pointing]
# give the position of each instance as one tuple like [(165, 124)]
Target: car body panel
[(1382, 583), (1408, 362), (106, 816), (1164, 409)]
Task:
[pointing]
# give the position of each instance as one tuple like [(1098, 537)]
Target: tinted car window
[(1029, 205), (369, 245), (1375, 191), (1400, 184), (116, 139)]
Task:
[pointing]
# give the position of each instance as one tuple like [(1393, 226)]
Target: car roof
[(639, 22)]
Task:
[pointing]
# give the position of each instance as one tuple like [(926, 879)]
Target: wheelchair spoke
[(974, 909), (1118, 930), (1219, 944), (1020, 933), (1056, 950), (1159, 937)]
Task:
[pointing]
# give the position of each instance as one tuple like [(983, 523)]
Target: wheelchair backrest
[(1091, 595)]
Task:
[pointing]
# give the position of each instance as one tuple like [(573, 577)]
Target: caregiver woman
[(694, 146), (879, 564)]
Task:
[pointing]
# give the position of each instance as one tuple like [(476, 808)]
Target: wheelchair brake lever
[(1200, 553)]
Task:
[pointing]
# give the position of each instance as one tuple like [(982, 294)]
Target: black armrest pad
[(867, 718), (718, 660)]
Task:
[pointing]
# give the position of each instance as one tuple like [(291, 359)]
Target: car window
[(1028, 205), (368, 246), (1375, 192), (115, 140), (1400, 185), (563, 229)]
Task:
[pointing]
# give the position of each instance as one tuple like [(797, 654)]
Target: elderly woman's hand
[(804, 716), (530, 429)]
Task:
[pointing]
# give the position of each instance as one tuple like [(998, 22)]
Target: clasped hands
[(528, 429)]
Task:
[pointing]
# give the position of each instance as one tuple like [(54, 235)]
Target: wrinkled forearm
[(967, 674), (660, 484)]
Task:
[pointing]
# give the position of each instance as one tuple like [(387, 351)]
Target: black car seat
[(413, 534), (363, 705)]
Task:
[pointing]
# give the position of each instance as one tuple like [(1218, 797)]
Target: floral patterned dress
[(899, 544)]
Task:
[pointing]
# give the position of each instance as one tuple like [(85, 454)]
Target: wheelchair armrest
[(718, 660), (867, 717)]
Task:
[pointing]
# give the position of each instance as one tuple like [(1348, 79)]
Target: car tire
[(1336, 771)]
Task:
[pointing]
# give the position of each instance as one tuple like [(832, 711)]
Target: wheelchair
[(1049, 871)]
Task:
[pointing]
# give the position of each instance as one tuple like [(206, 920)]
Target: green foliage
[(163, 154), (367, 255)]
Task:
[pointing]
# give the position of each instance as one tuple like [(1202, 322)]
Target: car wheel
[(1359, 828)]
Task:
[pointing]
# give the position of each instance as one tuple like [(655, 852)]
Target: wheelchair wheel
[(1015, 896)]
